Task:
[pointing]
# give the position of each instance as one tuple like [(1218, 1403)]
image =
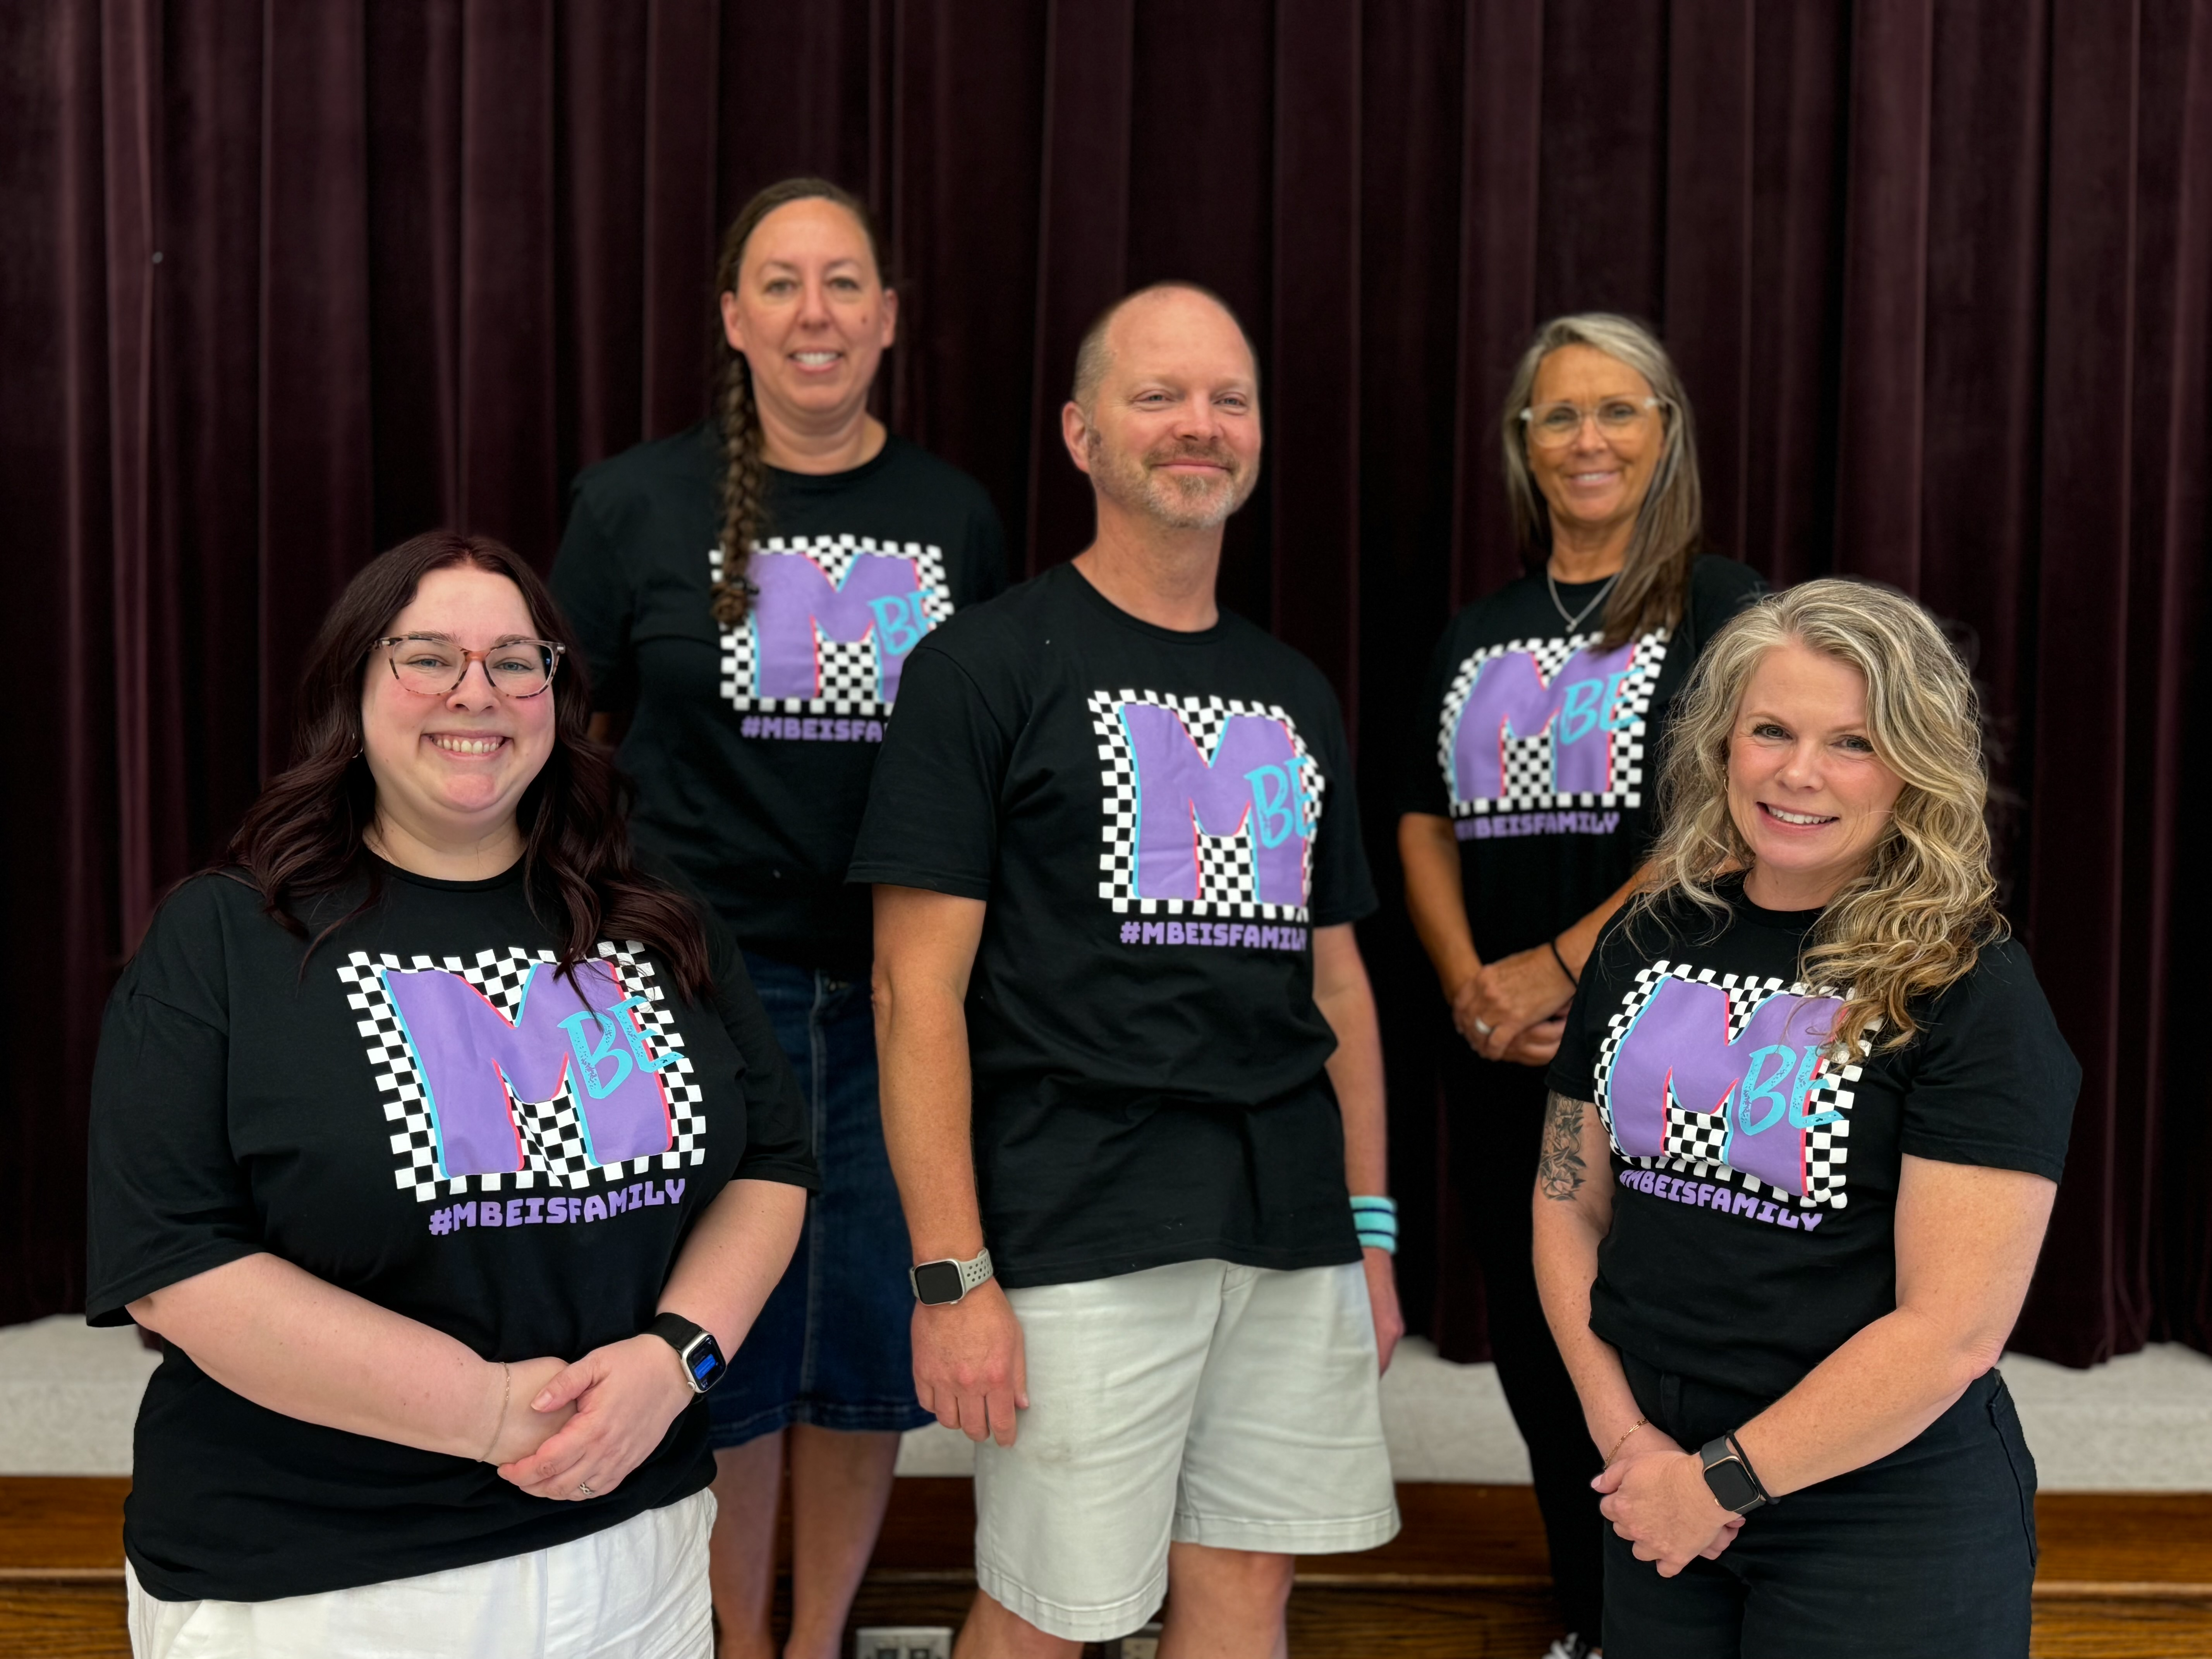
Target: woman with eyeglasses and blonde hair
[(1806, 1125), (449, 1152), (1529, 807)]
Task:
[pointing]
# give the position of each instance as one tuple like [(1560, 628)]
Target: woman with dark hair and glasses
[(1529, 807), (747, 593), (449, 1152)]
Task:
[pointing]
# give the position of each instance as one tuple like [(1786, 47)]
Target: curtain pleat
[(285, 284)]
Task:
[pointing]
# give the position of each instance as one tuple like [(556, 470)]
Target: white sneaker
[(1569, 1646)]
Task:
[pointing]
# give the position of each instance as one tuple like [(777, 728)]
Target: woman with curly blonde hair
[(1806, 1122)]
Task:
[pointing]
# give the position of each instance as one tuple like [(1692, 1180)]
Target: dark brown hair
[(305, 836), (745, 473)]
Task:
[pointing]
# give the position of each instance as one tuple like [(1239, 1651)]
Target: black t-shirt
[(1157, 820), (1543, 749), (403, 1119), (1754, 1179), (751, 746)]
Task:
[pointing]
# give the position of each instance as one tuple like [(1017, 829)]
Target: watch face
[(1730, 1486), (705, 1364), (937, 1282)]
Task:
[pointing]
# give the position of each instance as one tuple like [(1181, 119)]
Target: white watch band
[(973, 1274)]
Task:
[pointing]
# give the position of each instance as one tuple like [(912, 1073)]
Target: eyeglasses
[(432, 666), (1553, 426)]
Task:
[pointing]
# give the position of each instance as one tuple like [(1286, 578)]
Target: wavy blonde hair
[(1917, 918)]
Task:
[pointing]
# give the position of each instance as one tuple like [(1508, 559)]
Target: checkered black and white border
[(1694, 1140), (1527, 769), (850, 670), (552, 1136), (1227, 876)]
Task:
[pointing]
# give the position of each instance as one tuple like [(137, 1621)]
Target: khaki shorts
[(1202, 1403)]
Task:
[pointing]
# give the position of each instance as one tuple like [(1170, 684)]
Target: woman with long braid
[(747, 593)]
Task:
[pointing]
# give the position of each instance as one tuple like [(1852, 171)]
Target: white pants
[(1202, 1403), (638, 1590)]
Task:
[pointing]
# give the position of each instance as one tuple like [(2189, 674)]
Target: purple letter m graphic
[(469, 1057), (798, 607), (1678, 1045), (1255, 773), (1510, 699)]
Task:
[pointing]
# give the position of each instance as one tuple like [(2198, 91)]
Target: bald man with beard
[(1132, 1085)]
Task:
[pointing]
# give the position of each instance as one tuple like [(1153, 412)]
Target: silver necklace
[(1596, 599)]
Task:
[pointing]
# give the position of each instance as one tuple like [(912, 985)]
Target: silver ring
[(1483, 1028), (583, 1489)]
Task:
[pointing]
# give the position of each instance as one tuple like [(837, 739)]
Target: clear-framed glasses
[(434, 665), (1553, 426)]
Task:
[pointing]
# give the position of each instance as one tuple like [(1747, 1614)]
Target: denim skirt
[(831, 1347)]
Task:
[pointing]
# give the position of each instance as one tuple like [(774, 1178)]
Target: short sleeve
[(1420, 780), (1993, 1082), (1720, 588), (167, 1198), (1343, 888), (932, 813), (594, 592), (779, 1146)]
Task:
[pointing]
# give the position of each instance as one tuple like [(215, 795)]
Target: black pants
[(1496, 1127), (1930, 1551)]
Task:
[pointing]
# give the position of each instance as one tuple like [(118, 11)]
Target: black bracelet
[(1562, 961), (1757, 1485)]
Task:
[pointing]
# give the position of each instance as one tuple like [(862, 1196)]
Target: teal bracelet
[(1375, 1218)]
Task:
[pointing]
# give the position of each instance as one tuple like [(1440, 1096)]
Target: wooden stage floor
[(2123, 1575)]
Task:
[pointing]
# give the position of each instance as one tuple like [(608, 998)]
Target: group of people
[(775, 986)]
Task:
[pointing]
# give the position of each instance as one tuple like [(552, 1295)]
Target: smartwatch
[(702, 1355), (1729, 1474), (940, 1284)]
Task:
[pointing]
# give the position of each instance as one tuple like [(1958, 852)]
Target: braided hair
[(744, 472)]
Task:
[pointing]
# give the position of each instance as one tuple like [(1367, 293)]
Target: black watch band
[(1729, 1476), (695, 1346)]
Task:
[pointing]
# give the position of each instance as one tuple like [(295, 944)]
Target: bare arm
[(1347, 1001), (291, 1342), (968, 1355), (1573, 1213), (1436, 901)]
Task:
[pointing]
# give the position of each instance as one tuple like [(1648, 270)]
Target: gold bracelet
[(506, 1388), (1617, 1444)]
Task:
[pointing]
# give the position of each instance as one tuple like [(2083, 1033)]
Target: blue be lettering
[(900, 621), (1272, 814), (611, 1047), (1759, 1088), (1578, 714)]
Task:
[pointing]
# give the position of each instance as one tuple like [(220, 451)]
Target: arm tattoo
[(1559, 1170)]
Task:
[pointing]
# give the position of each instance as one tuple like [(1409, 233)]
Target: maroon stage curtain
[(285, 284)]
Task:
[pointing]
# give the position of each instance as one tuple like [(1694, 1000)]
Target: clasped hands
[(575, 1430), (1658, 1499), (1515, 1008)]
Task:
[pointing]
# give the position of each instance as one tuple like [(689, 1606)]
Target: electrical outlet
[(1137, 1644), (903, 1642)]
